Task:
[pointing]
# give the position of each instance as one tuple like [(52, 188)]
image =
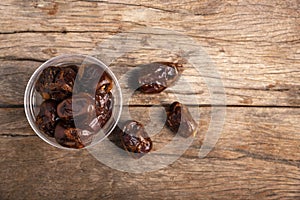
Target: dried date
[(65, 79), (69, 136), (56, 82), (81, 110), (180, 120), (105, 84), (104, 106), (93, 78), (80, 104), (135, 139), (47, 117), (45, 83), (156, 77)]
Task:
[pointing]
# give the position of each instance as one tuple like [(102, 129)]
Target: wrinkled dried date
[(92, 78), (45, 83), (155, 77), (68, 136), (56, 82), (81, 109), (104, 105), (47, 117), (180, 121), (65, 79), (64, 109), (105, 84), (135, 139), (80, 104)]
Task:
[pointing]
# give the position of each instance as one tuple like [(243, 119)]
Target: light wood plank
[(241, 88), (255, 49), (244, 20), (266, 133)]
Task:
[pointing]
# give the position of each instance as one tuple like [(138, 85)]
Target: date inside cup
[(73, 101)]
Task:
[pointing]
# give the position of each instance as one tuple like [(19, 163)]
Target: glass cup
[(33, 99)]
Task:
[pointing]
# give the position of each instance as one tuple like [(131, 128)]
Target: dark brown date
[(68, 136), (45, 83), (81, 110), (105, 84), (56, 82), (93, 78), (64, 109), (180, 121), (104, 104), (47, 117), (80, 104), (156, 77), (65, 79), (135, 139)]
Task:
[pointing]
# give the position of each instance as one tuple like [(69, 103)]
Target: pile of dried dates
[(154, 78), (73, 119)]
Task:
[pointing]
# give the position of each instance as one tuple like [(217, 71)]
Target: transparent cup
[(33, 99)]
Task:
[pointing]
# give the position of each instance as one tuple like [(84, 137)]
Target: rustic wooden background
[(255, 46)]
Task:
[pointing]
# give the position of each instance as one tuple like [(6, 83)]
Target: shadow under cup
[(33, 99)]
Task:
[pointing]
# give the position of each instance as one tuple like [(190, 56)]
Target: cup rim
[(28, 100)]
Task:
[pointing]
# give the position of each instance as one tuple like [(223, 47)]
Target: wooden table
[(255, 47)]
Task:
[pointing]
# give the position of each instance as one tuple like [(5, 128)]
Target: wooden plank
[(266, 132), (14, 78), (242, 87), (43, 172), (14, 123), (257, 156), (256, 21), (255, 49)]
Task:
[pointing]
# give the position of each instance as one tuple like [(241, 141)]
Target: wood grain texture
[(257, 156), (255, 50), (264, 88), (254, 45), (272, 131)]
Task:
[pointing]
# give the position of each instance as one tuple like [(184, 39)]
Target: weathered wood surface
[(242, 87), (253, 45), (257, 156)]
